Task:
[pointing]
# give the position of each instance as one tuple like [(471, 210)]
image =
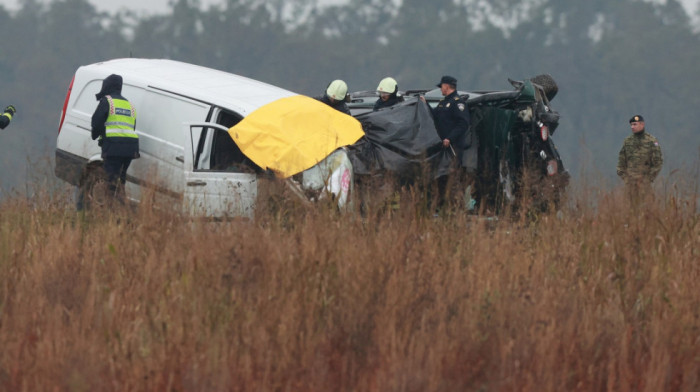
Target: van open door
[(215, 189)]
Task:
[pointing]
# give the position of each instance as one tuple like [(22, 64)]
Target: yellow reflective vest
[(121, 121)]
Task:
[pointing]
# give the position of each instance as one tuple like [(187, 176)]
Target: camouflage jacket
[(640, 158)]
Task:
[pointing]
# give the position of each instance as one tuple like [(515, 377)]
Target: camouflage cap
[(636, 118)]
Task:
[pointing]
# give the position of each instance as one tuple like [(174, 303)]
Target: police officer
[(335, 96), (388, 91), (114, 124), (6, 116), (451, 116), (640, 158), (452, 121)]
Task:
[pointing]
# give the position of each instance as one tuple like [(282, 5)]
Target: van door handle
[(196, 183), (180, 158)]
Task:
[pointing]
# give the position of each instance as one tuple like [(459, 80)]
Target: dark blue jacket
[(111, 146), (452, 121), (393, 100), (340, 106), (4, 121)]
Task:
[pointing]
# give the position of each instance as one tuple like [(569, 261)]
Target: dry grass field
[(603, 296)]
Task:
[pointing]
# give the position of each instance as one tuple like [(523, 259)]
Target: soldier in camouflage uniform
[(640, 158)]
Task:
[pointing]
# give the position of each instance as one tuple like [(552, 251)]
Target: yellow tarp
[(293, 134)]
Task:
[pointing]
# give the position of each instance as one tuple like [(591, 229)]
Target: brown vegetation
[(603, 298)]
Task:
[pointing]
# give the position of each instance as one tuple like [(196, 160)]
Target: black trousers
[(115, 170)]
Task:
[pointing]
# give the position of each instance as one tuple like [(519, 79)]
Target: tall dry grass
[(603, 296)]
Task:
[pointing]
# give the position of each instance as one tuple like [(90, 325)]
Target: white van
[(183, 114)]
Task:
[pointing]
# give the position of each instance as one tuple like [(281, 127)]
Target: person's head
[(112, 84), (337, 90), (387, 87), (637, 123), (447, 85)]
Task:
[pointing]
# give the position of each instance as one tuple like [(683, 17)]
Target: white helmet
[(388, 85), (337, 90)]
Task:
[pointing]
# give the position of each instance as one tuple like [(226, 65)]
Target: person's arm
[(622, 163), (6, 116), (432, 110), (99, 118), (459, 131), (657, 160), (344, 108)]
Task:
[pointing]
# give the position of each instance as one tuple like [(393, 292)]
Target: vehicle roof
[(436, 94), (363, 101), (200, 83), (358, 98)]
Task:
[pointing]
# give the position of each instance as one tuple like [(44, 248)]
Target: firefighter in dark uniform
[(388, 91), (114, 125), (6, 116), (451, 117), (335, 96)]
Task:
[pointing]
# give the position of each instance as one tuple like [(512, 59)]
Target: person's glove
[(10, 109)]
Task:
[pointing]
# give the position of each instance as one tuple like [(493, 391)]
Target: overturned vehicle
[(207, 139), (513, 160)]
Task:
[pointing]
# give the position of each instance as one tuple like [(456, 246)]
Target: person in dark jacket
[(335, 96), (6, 116), (452, 121), (451, 117), (388, 91), (114, 125)]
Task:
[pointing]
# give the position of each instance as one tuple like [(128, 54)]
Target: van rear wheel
[(92, 191)]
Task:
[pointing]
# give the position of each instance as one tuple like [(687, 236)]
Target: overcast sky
[(160, 6), (145, 6), (142, 6)]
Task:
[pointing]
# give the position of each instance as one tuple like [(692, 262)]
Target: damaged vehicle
[(206, 137), (516, 159)]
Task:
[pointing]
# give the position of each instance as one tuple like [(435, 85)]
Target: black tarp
[(400, 140)]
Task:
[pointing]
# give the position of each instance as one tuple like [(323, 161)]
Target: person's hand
[(446, 143), (422, 98), (11, 110)]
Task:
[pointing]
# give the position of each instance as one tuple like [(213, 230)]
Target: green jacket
[(640, 158)]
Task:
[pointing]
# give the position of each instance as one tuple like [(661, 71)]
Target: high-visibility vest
[(121, 121)]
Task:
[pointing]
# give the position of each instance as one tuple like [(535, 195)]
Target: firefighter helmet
[(337, 90), (388, 85)]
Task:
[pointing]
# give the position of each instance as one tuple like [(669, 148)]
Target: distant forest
[(611, 60)]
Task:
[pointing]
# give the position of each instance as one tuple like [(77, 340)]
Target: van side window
[(225, 154)]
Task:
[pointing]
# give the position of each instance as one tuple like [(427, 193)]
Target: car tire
[(92, 191)]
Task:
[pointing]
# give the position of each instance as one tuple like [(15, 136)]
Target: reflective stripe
[(118, 134), (118, 124), (121, 120)]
